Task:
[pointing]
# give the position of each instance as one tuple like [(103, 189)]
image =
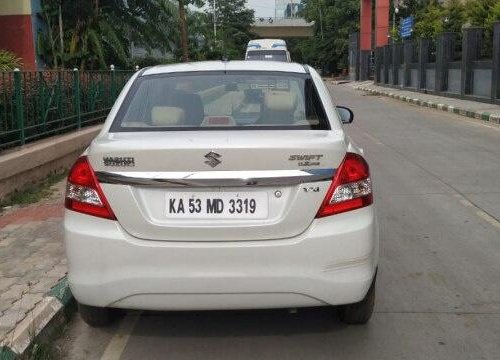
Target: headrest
[(280, 101), (167, 116)]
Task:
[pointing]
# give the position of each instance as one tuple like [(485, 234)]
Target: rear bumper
[(331, 263)]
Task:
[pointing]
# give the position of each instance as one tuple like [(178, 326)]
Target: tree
[(454, 16), (478, 10), (183, 26), (493, 17), (410, 7), (99, 32), (334, 21), (429, 21), (234, 23)]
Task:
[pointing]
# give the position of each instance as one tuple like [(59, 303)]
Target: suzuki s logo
[(212, 159)]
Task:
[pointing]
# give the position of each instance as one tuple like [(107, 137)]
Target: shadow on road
[(238, 323)]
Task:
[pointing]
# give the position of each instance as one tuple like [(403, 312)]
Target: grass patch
[(34, 193), (46, 346)]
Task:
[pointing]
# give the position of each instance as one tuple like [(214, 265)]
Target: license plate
[(217, 205)]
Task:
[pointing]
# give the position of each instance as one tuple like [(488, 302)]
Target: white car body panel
[(145, 260), (332, 263)]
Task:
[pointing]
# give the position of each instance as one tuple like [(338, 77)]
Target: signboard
[(406, 27)]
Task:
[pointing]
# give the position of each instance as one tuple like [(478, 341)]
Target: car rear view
[(224, 185)]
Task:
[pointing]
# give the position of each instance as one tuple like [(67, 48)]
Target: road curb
[(484, 116), (46, 314)]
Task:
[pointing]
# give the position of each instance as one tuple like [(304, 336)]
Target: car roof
[(226, 66)]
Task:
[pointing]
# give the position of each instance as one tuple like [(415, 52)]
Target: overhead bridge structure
[(283, 28)]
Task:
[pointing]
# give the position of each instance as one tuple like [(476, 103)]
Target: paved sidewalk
[(32, 259), (472, 109)]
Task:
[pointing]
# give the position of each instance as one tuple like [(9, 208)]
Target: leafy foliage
[(429, 21), (334, 21), (9, 61), (478, 10), (234, 23), (97, 33), (454, 16), (493, 16)]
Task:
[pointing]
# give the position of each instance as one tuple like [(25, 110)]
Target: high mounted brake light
[(351, 188), (83, 192)]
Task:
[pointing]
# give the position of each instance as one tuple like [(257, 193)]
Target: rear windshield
[(221, 100), (267, 55)]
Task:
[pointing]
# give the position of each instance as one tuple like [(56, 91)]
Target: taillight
[(351, 187), (83, 192)]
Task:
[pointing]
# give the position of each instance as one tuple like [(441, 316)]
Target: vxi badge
[(212, 159)]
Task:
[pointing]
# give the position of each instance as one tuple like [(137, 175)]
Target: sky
[(262, 8)]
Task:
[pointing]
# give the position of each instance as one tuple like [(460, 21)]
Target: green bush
[(147, 61), (9, 61), (478, 11), (455, 16), (430, 21), (493, 16)]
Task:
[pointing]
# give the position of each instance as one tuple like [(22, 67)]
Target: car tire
[(97, 316), (359, 313)]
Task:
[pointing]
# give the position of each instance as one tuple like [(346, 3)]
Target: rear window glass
[(267, 55), (215, 101)]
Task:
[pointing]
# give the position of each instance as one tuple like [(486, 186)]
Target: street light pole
[(396, 11)]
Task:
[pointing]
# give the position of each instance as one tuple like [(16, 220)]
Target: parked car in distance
[(267, 50), (222, 185)]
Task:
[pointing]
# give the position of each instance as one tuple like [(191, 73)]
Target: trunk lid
[(286, 173)]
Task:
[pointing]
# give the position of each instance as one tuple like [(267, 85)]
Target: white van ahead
[(267, 50)]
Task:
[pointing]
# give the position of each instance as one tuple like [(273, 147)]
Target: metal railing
[(39, 104)]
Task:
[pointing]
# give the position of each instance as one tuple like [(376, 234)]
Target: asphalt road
[(438, 295)]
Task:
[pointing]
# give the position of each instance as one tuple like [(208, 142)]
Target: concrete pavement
[(472, 109), (438, 200), (32, 262)]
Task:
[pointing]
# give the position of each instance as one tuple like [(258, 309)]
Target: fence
[(38, 104), (453, 65)]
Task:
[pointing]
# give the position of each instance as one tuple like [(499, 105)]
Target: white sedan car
[(222, 185)]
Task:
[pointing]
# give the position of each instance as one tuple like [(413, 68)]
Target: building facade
[(288, 9), (21, 25)]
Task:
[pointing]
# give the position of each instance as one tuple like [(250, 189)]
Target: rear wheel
[(360, 312), (97, 316)]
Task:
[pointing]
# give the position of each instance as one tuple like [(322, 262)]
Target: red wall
[(16, 35), (366, 25), (381, 23)]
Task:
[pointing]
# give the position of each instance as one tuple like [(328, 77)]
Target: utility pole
[(321, 20), (215, 21), (184, 36)]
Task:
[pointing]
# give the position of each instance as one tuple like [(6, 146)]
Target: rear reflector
[(83, 192), (351, 188)]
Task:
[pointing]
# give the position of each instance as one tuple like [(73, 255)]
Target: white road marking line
[(466, 203), (117, 344), (488, 218), (374, 139), (483, 215)]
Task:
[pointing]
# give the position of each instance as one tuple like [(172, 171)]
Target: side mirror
[(346, 114)]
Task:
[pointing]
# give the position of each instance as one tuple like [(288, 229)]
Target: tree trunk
[(184, 36), (61, 34)]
